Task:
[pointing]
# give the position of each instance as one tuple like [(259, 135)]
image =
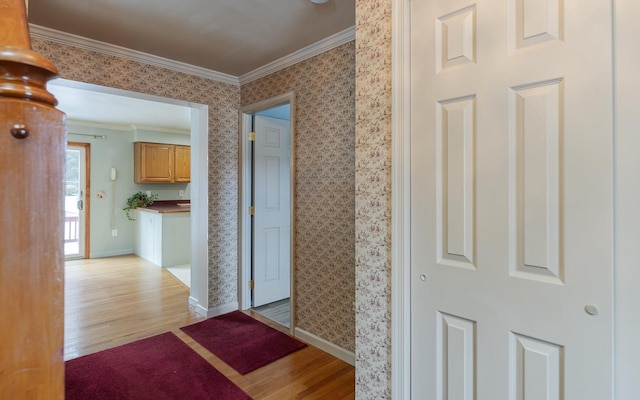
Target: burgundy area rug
[(242, 342), (161, 367)]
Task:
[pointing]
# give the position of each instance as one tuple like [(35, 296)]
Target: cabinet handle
[(19, 131)]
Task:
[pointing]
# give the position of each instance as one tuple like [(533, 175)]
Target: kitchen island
[(163, 233)]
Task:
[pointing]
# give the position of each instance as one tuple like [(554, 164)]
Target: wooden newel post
[(32, 151)]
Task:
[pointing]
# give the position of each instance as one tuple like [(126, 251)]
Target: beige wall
[(324, 87), (373, 199)]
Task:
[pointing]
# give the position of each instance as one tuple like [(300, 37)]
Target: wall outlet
[(181, 193), (114, 232), (148, 192)]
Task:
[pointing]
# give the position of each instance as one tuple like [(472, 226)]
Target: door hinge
[(252, 210), (251, 285), (252, 136)]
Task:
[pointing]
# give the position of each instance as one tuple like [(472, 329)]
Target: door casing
[(244, 199), (199, 291)]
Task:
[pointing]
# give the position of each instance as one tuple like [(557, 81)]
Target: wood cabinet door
[(153, 162), (182, 164)]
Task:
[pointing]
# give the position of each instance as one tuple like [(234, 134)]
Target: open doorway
[(266, 262), (103, 191)]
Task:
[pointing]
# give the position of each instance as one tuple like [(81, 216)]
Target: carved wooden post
[(32, 151)]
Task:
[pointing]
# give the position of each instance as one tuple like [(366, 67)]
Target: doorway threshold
[(278, 311)]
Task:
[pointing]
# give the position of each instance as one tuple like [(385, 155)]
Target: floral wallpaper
[(373, 199), (343, 174), (324, 87), (223, 100)]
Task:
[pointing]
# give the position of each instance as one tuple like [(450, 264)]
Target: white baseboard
[(219, 310), (200, 309), (336, 351), (194, 302), (111, 253)]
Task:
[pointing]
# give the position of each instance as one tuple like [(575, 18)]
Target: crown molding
[(305, 53), (56, 36)]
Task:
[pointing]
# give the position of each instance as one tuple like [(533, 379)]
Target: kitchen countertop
[(168, 206)]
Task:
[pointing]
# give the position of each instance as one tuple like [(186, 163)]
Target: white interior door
[(272, 211), (511, 200)]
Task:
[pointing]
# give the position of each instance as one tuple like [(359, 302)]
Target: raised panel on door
[(511, 189)]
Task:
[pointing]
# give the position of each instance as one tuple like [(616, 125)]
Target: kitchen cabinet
[(161, 163), (182, 159)]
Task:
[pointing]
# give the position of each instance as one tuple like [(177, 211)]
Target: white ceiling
[(229, 36), (126, 111), (118, 110)]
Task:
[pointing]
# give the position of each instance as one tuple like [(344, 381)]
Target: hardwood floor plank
[(109, 302), (117, 300)]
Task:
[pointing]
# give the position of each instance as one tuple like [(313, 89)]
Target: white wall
[(116, 150)]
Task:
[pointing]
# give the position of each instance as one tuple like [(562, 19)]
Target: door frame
[(199, 291), (87, 198), (626, 353), (400, 200), (244, 200)]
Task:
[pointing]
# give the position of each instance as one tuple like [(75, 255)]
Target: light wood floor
[(113, 301)]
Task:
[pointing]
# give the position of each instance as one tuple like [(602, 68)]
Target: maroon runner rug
[(161, 367), (242, 342)]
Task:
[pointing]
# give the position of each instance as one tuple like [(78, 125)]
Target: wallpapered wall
[(223, 100), (325, 173), (335, 83), (373, 199)]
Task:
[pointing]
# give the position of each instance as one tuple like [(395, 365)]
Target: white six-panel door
[(511, 200), (272, 218)]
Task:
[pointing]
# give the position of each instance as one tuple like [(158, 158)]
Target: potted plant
[(139, 199)]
